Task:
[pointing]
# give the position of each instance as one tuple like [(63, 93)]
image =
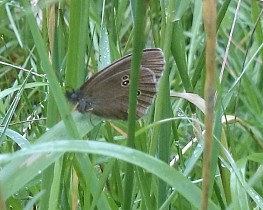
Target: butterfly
[(106, 93)]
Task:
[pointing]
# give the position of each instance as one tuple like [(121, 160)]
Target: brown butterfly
[(106, 94)]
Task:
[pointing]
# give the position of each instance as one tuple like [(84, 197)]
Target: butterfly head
[(74, 96), (77, 98)]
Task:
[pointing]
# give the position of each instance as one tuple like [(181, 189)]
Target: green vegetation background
[(51, 159)]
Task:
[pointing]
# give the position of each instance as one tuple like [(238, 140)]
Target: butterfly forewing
[(115, 97), (151, 58), (154, 60)]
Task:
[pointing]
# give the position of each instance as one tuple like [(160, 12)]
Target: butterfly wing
[(110, 100), (152, 58)]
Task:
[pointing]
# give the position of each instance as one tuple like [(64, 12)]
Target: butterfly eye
[(138, 93)]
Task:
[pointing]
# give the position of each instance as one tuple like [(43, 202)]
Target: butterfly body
[(106, 93)]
